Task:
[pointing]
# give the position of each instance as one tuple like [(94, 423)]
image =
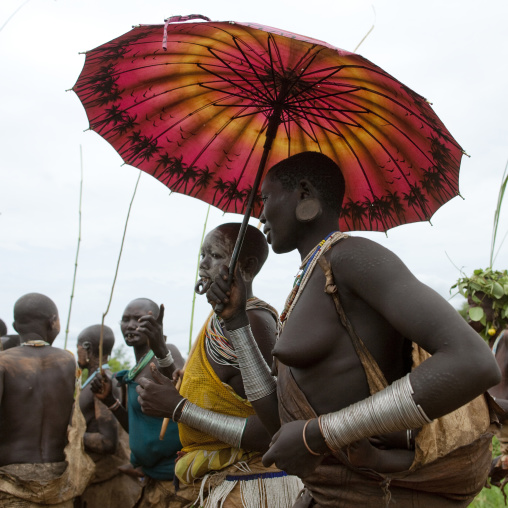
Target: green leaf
[(497, 290), (476, 313)]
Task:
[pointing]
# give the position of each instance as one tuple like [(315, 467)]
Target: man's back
[(36, 399)]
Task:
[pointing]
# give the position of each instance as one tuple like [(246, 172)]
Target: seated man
[(222, 437), (488, 315), (151, 458), (105, 442), (354, 358), (40, 462)]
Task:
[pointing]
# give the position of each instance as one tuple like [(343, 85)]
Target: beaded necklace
[(91, 376), (139, 366), (305, 271), (217, 345), (35, 343)]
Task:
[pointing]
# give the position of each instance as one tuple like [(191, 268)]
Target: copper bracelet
[(305, 440)]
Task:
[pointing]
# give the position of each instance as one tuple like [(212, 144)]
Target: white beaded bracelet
[(166, 361)]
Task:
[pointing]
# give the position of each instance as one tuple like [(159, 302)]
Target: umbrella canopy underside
[(195, 117)]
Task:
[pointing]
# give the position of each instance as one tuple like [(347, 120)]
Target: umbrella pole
[(271, 131)]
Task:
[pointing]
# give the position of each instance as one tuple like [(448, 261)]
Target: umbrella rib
[(314, 136), (348, 144), (236, 40), (393, 159), (233, 70), (394, 101), (213, 138), (369, 111), (178, 121), (245, 96), (263, 129)]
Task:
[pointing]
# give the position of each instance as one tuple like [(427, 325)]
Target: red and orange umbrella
[(207, 107)]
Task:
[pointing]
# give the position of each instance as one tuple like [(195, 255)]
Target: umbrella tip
[(461, 196), (465, 153)]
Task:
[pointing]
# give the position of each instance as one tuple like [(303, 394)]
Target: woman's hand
[(157, 396), (229, 298), (288, 451)]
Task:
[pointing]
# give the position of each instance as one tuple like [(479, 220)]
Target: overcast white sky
[(454, 53)]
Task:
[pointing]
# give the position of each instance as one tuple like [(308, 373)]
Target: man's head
[(88, 344), (129, 323), (218, 246), (36, 313), (297, 193), (319, 170), (3, 328)]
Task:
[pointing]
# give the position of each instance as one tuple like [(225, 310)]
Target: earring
[(308, 209)]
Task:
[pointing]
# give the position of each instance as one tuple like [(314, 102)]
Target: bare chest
[(321, 354)]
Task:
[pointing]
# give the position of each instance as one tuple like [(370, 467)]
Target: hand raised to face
[(152, 329), (228, 297)]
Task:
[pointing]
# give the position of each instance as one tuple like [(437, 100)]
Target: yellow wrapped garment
[(201, 385)]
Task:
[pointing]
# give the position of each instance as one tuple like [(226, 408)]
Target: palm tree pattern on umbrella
[(196, 117)]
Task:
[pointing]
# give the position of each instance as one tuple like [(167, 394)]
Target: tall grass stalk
[(196, 279), (502, 189), (116, 271), (77, 250)]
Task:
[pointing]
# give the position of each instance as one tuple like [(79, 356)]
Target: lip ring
[(202, 287)]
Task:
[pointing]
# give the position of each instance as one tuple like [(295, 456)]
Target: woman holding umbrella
[(365, 350)]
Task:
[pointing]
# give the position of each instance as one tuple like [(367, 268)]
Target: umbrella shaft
[(271, 131)]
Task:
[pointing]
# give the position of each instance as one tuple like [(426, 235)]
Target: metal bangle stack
[(166, 361), (228, 429), (257, 379), (389, 410)]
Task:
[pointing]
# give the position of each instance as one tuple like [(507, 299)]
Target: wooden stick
[(166, 421), (77, 251), (101, 340)]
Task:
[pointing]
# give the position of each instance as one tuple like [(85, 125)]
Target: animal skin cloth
[(110, 487), (53, 484), (452, 454), (213, 473)]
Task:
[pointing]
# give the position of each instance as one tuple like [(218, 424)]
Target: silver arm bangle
[(228, 429), (389, 410), (257, 379), (166, 361)]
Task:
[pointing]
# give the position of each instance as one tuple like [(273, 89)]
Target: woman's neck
[(141, 351)]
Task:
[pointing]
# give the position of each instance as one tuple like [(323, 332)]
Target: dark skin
[(36, 396), (9, 341), (101, 434), (386, 305), (160, 398), (139, 326)]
